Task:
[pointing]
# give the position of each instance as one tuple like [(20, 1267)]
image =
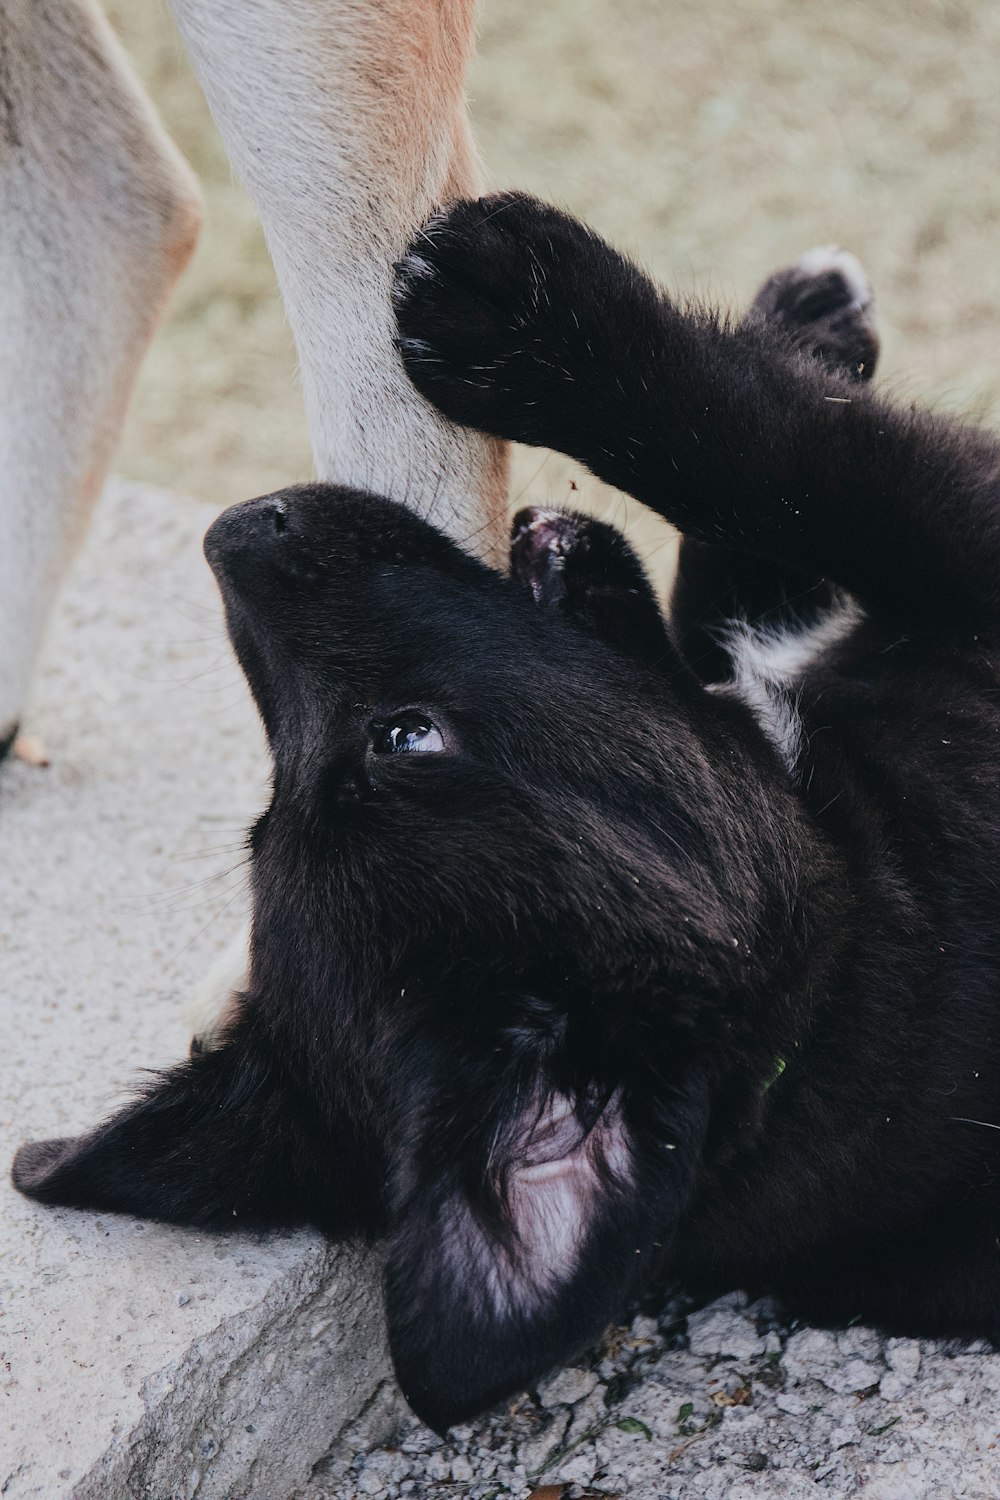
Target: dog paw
[(587, 570), (484, 303), (542, 542), (824, 303)]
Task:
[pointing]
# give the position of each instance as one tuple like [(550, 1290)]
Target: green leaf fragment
[(634, 1427), (878, 1431)]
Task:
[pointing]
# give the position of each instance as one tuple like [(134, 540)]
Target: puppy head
[(473, 771), (507, 899), (496, 874)]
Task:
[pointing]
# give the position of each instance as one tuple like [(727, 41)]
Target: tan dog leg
[(346, 119), (98, 216)]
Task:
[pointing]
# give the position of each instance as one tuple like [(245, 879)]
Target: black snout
[(310, 539), (256, 531)]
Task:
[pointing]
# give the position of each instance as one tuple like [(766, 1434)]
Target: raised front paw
[(824, 304), (491, 302)]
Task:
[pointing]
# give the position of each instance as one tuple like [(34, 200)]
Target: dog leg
[(98, 217), (823, 304), (347, 122), (524, 323)]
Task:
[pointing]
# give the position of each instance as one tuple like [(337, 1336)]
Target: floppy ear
[(514, 1260), (221, 1141)]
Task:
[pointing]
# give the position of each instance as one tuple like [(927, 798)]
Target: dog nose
[(253, 529)]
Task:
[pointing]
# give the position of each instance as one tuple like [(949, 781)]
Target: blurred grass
[(716, 141)]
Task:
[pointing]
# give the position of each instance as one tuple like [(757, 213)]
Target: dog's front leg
[(517, 319), (346, 120), (98, 216)]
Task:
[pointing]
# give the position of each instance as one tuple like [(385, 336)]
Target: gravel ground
[(729, 1403)]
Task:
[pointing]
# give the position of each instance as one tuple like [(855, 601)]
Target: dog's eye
[(409, 734)]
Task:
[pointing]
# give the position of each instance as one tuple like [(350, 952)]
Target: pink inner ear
[(549, 1140), (557, 1176), (556, 1183)]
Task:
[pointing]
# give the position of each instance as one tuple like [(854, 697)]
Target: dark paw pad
[(587, 569), (541, 544), (824, 303)]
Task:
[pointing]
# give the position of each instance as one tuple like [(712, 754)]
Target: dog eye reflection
[(408, 734)]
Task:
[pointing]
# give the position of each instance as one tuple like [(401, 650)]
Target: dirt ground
[(715, 139)]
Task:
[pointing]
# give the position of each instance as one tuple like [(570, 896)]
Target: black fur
[(596, 991), (820, 311)]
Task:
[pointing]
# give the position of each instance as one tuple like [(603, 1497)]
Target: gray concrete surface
[(138, 1360)]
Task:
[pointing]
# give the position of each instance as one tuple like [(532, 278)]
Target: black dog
[(576, 967)]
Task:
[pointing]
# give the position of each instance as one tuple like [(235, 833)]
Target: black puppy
[(576, 962)]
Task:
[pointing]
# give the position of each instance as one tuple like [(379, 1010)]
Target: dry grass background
[(715, 139)]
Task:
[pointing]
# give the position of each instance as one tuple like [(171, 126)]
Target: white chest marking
[(768, 664)]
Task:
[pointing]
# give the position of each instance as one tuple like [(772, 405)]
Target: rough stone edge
[(252, 1407)]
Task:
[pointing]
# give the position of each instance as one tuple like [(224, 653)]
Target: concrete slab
[(138, 1360)]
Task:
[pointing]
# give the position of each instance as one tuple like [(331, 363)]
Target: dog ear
[(513, 1261), (220, 1141)]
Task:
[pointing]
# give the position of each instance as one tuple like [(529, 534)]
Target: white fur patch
[(832, 258), (554, 1194), (768, 664)]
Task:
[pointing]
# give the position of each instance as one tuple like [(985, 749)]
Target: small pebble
[(903, 1357), (843, 1436), (579, 1468), (730, 1334), (854, 1375), (567, 1387), (29, 749), (893, 1386)]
